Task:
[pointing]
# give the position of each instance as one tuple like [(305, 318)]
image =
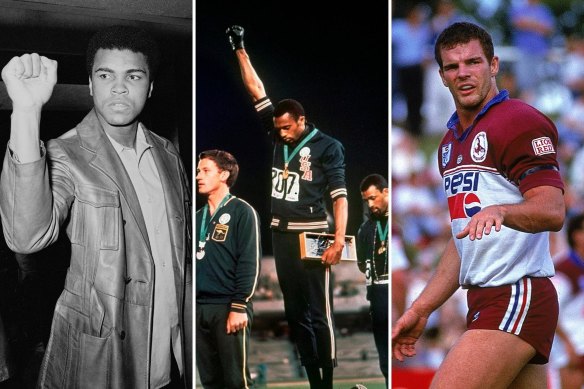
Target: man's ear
[(224, 175), (150, 91), (90, 87)]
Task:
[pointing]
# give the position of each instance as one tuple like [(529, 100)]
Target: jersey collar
[(454, 119)]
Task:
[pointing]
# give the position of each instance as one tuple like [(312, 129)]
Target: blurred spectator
[(399, 275), (532, 25), (572, 69), (571, 128), (568, 347), (411, 40)]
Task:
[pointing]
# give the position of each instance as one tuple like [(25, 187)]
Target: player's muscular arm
[(252, 82), (442, 285), (29, 81), (543, 209)]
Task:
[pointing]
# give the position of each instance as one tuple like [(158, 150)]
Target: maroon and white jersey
[(509, 149)]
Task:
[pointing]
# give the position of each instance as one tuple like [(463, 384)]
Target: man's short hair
[(574, 224), (460, 33), (224, 161), (377, 180), (124, 38), (290, 106)]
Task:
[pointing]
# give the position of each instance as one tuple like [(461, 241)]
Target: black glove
[(235, 34)]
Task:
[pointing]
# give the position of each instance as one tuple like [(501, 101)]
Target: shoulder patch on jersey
[(224, 219), (543, 146), (479, 147), (446, 150)]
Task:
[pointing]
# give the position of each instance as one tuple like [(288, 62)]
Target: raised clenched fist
[(235, 34), (30, 80)]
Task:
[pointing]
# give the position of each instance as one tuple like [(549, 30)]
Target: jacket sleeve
[(265, 110), (249, 256), (35, 199), (333, 162)]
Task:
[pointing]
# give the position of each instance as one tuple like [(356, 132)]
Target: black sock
[(313, 373)]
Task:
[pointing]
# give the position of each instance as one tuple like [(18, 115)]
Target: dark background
[(333, 59)]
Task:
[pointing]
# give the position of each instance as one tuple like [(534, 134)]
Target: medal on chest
[(201, 250), (203, 236), (382, 248), (288, 158)]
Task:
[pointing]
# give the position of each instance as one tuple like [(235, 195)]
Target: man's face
[(120, 85), (469, 76), (209, 177), (288, 128), (377, 201)]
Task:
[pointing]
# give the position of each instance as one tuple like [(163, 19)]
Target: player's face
[(288, 128), (120, 85), (469, 76), (377, 201), (209, 177)]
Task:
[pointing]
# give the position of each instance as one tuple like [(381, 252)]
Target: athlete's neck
[(215, 198)]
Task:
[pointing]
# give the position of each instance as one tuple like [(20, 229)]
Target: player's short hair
[(377, 180), (290, 106), (224, 161), (460, 33), (574, 224), (124, 38)]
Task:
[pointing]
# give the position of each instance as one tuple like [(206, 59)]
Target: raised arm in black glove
[(235, 34)]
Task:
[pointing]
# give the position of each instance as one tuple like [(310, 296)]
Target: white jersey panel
[(502, 257)]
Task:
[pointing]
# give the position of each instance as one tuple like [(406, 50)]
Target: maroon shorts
[(528, 309)]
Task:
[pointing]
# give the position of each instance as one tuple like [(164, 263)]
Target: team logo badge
[(479, 147), (446, 150), (543, 146), (459, 159), (472, 204), (220, 233), (224, 219), (305, 164)]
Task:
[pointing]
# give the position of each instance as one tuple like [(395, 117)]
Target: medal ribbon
[(297, 148), (205, 227), (382, 232)]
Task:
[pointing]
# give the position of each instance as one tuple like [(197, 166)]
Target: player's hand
[(236, 321), (332, 255), (235, 35), (483, 223), (29, 80), (405, 333)]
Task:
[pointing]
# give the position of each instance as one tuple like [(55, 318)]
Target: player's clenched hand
[(332, 255), (236, 321), (405, 334), (29, 80), (483, 223)]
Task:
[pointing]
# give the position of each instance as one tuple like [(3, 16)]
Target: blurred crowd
[(541, 65)]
